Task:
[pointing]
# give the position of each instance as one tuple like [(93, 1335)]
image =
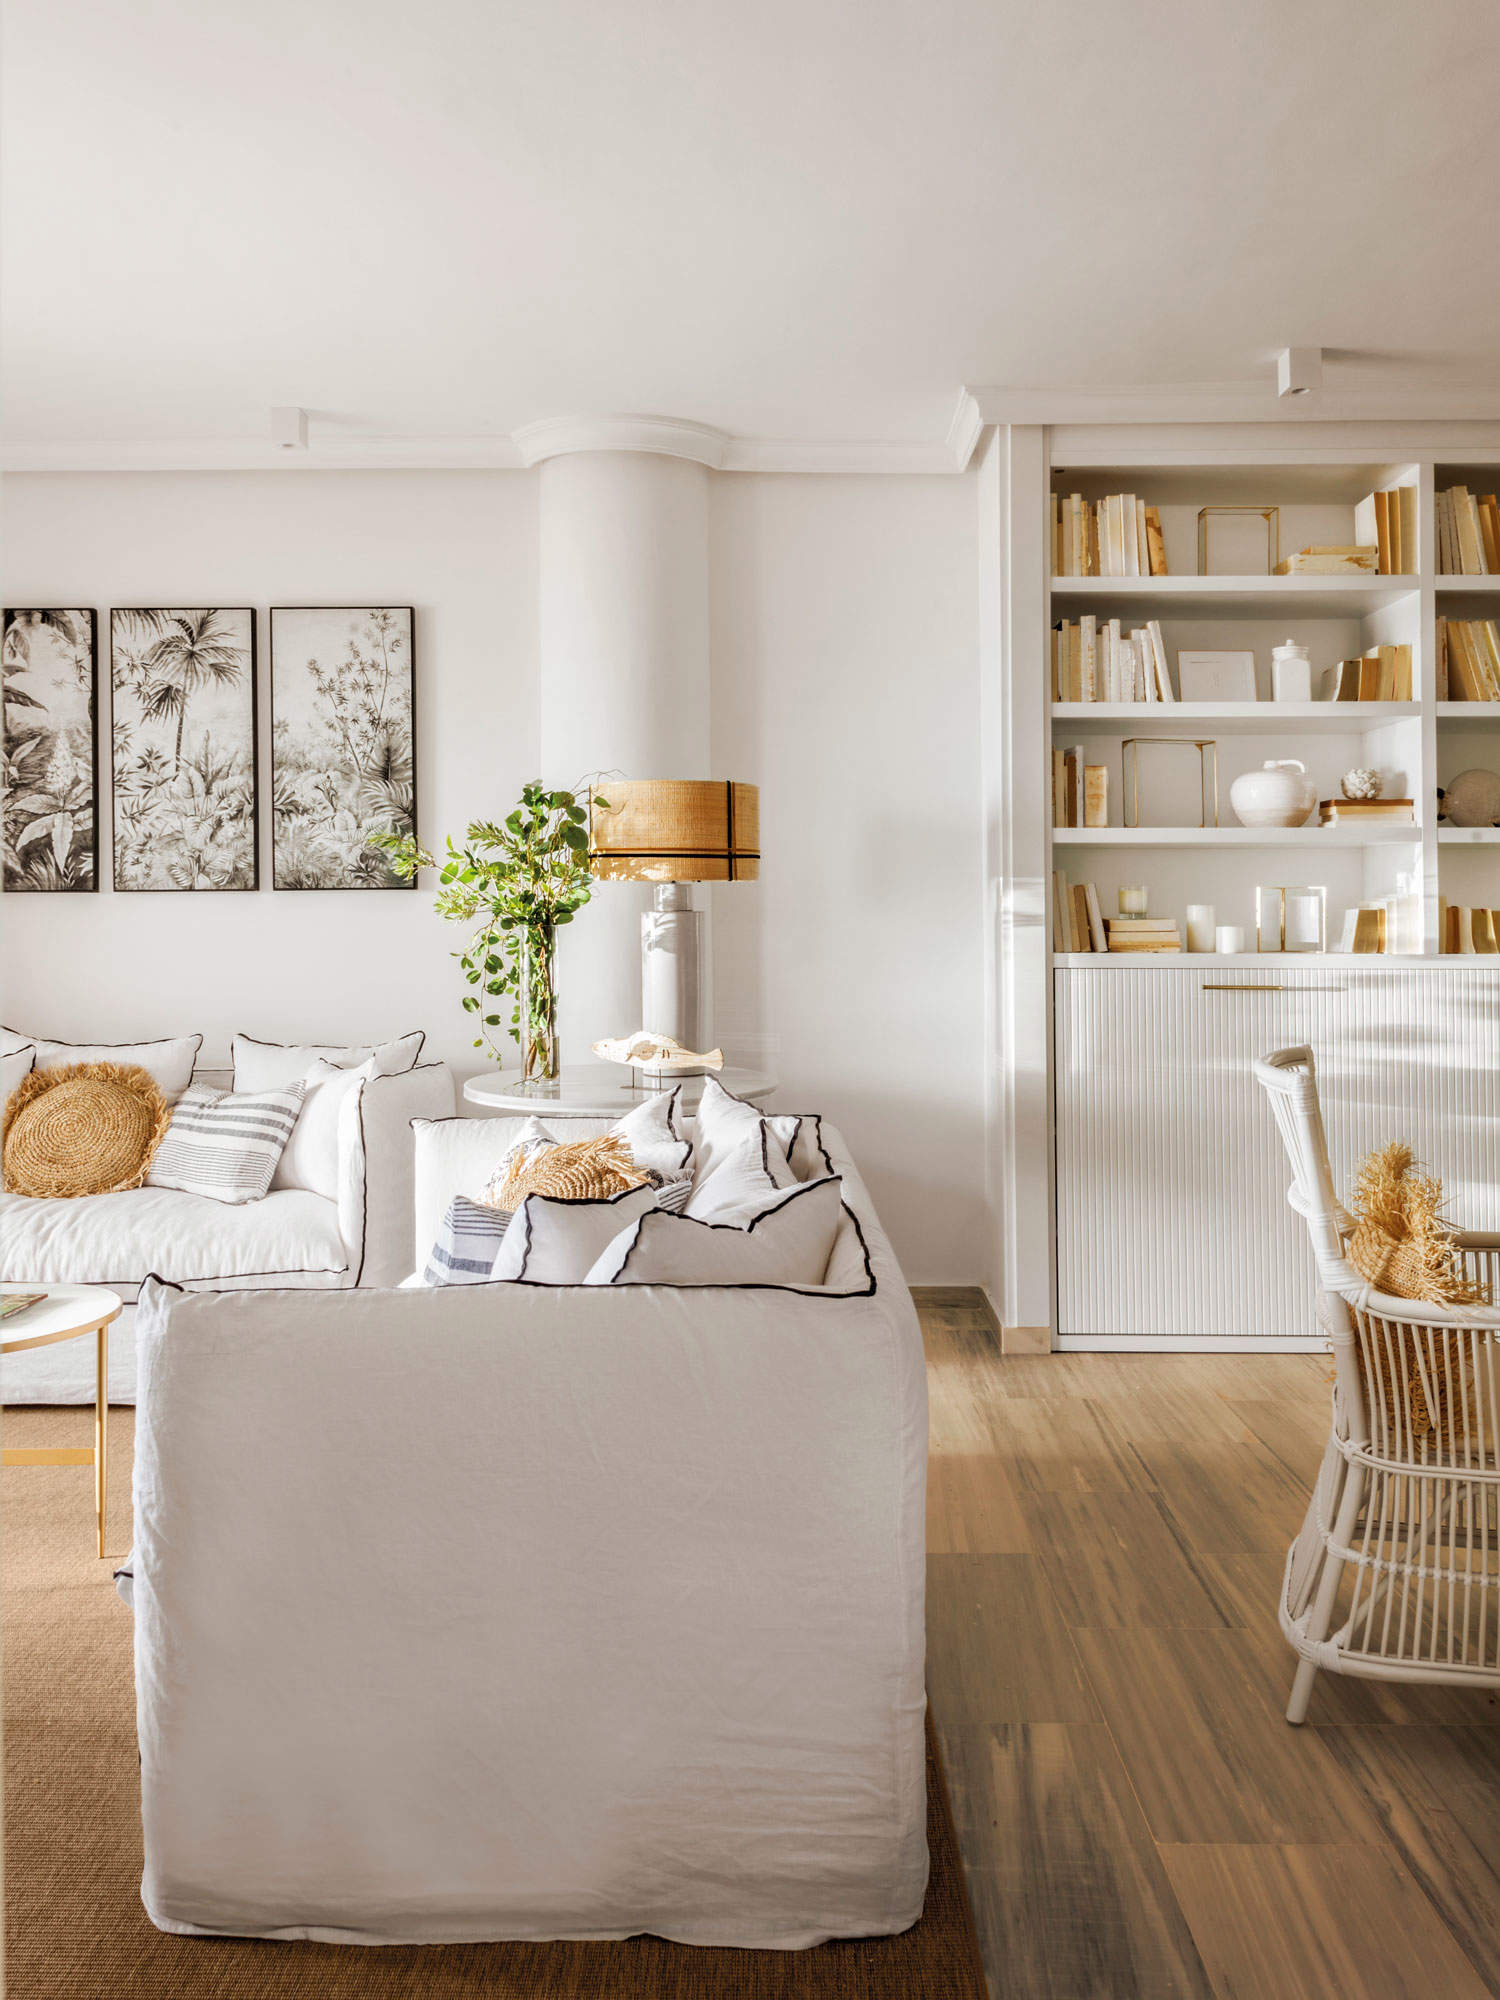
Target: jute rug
[(75, 1926)]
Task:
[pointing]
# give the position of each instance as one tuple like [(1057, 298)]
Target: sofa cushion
[(553, 1241), (168, 1063), (16, 1060), (273, 1065), (290, 1238), (788, 1244), (746, 1179), (310, 1158)]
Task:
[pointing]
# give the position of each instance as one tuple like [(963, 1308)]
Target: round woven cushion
[(88, 1128)]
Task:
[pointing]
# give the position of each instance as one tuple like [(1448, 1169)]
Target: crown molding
[(328, 452), (673, 437), (965, 428), (1356, 400)]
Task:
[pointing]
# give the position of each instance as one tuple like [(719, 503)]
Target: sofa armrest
[(375, 1169)]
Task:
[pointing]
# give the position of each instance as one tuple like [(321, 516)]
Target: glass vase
[(538, 1007)]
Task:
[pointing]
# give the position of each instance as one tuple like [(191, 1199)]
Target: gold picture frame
[(1270, 515), (1208, 773)]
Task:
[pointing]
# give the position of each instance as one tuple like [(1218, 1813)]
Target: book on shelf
[(1116, 536), (1464, 931), (1468, 533), (1468, 659), (1068, 769), (1382, 674), (1332, 560), (1096, 795), (1077, 923), (1388, 519), (1357, 812), (1096, 661)]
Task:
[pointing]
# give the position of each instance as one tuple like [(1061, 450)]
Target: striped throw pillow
[(467, 1242), (225, 1144)]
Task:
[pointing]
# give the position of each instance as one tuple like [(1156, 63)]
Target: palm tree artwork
[(183, 736), (51, 820), (342, 762)]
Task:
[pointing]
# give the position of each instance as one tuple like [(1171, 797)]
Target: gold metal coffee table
[(68, 1312)]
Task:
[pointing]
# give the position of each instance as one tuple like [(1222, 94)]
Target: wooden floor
[(1138, 1821)]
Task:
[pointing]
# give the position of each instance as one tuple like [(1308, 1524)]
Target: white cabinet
[(1172, 1220)]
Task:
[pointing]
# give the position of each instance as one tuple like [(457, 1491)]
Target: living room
[(678, 687)]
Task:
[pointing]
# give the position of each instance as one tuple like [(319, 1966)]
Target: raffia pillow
[(85, 1128), (584, 1170)]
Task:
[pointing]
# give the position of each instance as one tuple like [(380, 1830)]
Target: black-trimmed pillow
[(788, 1243), (554, 1241)]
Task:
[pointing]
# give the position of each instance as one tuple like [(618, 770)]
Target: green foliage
[(515, 880)]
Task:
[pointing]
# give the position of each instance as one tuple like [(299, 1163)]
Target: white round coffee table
[(67, 1313), (597, 1090)]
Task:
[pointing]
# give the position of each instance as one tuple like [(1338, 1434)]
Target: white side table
[(67, 1312), (597, 1090)]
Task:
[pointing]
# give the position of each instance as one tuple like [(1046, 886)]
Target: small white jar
[(1291, 672), (1278, 794)]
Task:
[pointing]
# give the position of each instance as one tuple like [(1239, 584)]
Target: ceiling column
[(624, 658)]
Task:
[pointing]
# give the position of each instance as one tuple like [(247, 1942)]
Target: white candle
[(1133, 902), (1229, 938), (1200, 927)]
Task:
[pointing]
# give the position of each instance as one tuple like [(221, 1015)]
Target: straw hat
[(87, 1128)]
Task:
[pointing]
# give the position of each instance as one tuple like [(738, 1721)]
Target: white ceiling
[(786, 218)]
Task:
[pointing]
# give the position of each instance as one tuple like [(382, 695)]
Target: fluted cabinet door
[(1172, 1219)]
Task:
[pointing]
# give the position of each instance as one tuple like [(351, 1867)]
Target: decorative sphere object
[(1471, 799), (1278, 794), (1360, 783)]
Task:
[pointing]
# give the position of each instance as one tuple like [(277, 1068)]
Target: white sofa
[(521, 1611), (291, 1239)]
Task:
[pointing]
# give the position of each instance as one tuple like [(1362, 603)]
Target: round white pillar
[(623, 642)]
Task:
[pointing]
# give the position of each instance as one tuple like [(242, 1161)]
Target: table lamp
[(672, 832)]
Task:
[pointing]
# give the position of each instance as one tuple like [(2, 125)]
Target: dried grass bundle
[(585, 1170)]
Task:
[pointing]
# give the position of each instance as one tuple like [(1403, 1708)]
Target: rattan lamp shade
[(676, 830)]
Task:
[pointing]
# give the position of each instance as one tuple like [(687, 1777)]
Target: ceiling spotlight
[(289, 427), (1299, 369)]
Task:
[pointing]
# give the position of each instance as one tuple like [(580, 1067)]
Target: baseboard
[(1135, 1343), (1025, 1340), (974, 1298)]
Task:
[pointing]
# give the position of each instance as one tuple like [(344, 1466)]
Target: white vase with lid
[(1278, 794), (1291, 672)]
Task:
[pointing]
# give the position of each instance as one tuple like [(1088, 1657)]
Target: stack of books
[(1077, 924), (1467, 930), (1080, 791), (1389, 520), (1468, 533), (1382, 674), (1468, 659), (1142, 934), (1095, 661), (1118, 536), (1332, 559), (1364, 812)]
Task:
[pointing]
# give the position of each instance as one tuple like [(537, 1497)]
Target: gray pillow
[(467, 1243)]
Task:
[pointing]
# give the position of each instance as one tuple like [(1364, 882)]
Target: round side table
[(68, 1312), (597, 1090)]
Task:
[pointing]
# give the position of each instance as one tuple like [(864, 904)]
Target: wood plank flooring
[(1138, 1821)]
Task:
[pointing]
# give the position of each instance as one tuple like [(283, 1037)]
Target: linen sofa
[(292, 1238), (533, 1611)]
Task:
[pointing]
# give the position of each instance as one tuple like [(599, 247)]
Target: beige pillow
[(84, 1128)]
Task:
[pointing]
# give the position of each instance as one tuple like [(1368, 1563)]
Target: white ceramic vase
[(1278, 794)]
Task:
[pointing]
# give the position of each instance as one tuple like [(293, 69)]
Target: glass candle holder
[(1133, 902)]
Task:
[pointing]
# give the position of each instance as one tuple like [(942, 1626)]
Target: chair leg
[(1302, 1687)]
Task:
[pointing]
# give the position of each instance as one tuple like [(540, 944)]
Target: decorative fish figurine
[(656, 1052)]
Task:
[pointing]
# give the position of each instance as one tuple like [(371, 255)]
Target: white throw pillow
[(744, 1183), (724, 1123), (788, 1244), (533, 1137), (311, 1157), (168, 1063), (273, 1065), (225, 1144), (555, 1242), (16, 1063), (654, 1132)]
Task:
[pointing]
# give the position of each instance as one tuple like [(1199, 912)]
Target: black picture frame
[(41, 617), (300, 874), (118, 612)]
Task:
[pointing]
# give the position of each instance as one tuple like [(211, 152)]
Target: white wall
[(336, 965), (844, 683)]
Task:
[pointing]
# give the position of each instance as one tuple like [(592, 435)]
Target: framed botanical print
[(343, 744), (183, 733), (49, 670)]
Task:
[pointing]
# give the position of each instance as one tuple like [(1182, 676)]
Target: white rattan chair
[(1395, 1574)]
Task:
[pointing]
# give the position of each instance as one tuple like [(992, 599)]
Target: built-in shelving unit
[(1416, 745)]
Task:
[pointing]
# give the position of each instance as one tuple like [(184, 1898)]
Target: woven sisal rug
[(75, 1928)]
